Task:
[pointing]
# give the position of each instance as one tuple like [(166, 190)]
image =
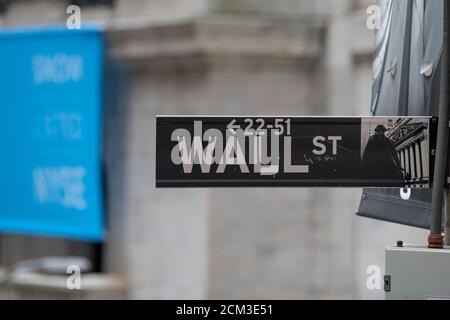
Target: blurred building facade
[(255, 57)]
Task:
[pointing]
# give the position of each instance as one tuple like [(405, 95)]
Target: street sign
[(294, 151), (50, 132)]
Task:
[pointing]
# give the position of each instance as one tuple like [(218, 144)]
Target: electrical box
[(417, 273)]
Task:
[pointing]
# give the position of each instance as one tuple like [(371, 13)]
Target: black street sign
[(294, 151)]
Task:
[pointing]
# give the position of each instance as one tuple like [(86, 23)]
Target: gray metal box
[(417, 273)]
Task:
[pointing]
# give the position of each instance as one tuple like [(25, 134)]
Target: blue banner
[(50, 132)]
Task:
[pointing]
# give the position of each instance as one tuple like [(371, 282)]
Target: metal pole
[(435, 239), (447, 219)]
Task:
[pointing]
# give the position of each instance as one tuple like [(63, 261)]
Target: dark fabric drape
[(406, 82)]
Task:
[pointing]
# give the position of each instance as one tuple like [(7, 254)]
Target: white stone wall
[(196, 57), (289, 7), (159, 8), (30, 12)]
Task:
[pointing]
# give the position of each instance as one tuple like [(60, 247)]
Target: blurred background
[(215, 57)]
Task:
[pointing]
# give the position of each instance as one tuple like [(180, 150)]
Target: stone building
[(286, 57)]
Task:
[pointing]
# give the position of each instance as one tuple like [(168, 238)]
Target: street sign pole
[(447, 219), (435, 239), (446, 90)]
